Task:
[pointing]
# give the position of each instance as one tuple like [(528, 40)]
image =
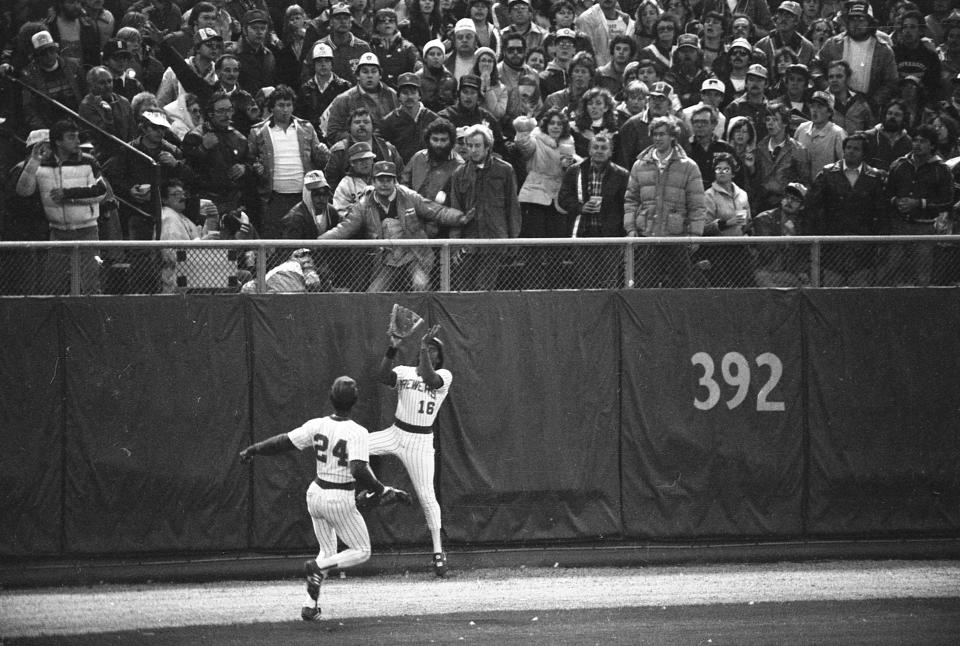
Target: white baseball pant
[(334, 513), (416, 452)]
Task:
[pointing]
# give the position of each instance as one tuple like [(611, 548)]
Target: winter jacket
[(492, 191), (430, 84), (83, 190), (664, 203), (380, 104), (396, 57), (931, 182), (544, 172), (366, 216), (835, 208), (212, 167), (575, 190), (313, 154), (339, 163), (65, 84), (406, 132), (312, 103), (722, 205)]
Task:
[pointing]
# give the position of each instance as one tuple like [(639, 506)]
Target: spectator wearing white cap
[(601, 23), (521, 22), (822, 138), (369, 92), (434, 75), (314, 214), (208, 46), (24, 218), (119, 60), (737, 61), (554, 77), (316, 95), (712, 92), (52, 75), (347, 47), (462, 59), (753, 103), (785, 35)]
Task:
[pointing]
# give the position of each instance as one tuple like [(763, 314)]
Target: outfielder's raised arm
[(425, 366)]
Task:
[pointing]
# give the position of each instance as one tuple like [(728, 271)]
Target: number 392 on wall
[(735, 372)]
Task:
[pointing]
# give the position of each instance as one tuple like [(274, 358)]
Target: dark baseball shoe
[(440, 564), (315, 577), (310, 614)]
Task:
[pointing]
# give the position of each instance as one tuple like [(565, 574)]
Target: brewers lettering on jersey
[(421, 390), (340, 447)]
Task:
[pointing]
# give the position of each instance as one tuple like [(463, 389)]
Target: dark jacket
[(258, 67), (311, 102), (406, 133), (930, 181), (211, 167), (572, 197), (89, 40), (835, 208), (300, 224), (339, 162)]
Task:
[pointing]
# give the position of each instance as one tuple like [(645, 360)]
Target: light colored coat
[(544, 170), (723, 204), (664, 203)]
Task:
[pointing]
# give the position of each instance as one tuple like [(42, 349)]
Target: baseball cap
[(565, 32), (42, 40), (688, 40), (798, 68), (465, 24), (114, 47), (156, 118), (857, 8), (790, 7), (713, 84), (513, 2), (823, 97), (38, 137), (340, 7), (408, 78), (368, 58), (344, 392), (360, 150), (206, 33), (797, 189), (741, 43), (255, 15), (757, 70), (912, 78), (660, 88), (384, 168), (436, 42), (321, 50), (469, 80), (315, 180)]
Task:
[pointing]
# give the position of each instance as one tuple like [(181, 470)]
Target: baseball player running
[(421, 390), (341, 448)]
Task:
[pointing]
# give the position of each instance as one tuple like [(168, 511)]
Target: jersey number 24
[(321, 443)]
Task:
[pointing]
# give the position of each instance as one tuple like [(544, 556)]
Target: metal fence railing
[(260, 266)]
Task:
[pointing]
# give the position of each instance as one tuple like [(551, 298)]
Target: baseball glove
[(367, 500), (403, 321), (393, 496)]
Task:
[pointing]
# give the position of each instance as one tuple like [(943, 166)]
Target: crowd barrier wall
[(574, 416)]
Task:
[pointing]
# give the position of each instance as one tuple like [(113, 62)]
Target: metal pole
[(628, 268), (815, 264), (75, 271), (261, 269), (445, 268)]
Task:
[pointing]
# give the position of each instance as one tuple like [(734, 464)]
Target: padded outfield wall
[(573, 416)]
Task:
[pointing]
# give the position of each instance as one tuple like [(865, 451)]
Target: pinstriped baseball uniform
[(335, 442), (417, 408)]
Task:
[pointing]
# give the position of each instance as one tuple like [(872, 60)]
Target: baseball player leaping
[(341, 448), (421, 390)]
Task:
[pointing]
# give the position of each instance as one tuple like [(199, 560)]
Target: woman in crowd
[(425, 23), (728, 214), (548, 150), (493, 91), (742, 135), (536, 59), (819, 31), (291, 45), (947, 132), (661, 50), (596, 113), (646, 17)]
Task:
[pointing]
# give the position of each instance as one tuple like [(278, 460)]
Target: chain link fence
[(274, 266)]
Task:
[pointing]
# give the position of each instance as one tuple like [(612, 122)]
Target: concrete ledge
[(252, 566)]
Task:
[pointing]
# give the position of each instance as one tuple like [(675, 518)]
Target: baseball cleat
[(310, 614), (440, 564), (315, 577)]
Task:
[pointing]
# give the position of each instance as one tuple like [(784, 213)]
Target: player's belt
[(326, 484), (410, 428)]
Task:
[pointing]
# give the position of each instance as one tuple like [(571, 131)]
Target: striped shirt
[(335, 442), (417, 403)]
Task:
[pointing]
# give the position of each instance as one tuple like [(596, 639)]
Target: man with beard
[(485, 188), (321, 89), (871, 60), (913, 57), (433, 75), (687, 73), (467, 111), (258, 65), (511, 69), (369, 93), (753, 103), (592, 194), (77, 35), (889, 140), (851, 110), (360, 130), (429, 170), (220, 158), (406, 126)]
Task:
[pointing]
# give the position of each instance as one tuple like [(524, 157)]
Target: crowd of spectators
[(418, 119)]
